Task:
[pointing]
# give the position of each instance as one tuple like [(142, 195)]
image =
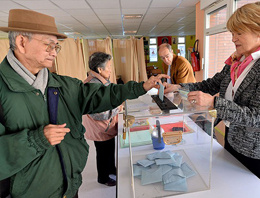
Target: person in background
[(44, 159), (177, 67), (238, 85), (102, 127)]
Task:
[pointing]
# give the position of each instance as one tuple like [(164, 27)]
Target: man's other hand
[(55, 133)]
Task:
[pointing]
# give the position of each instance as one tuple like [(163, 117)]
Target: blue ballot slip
[(161, 91)]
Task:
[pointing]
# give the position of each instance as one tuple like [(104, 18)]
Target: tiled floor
[(90, 187)]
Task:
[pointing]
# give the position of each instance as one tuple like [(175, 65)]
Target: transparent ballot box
[(170, 151)]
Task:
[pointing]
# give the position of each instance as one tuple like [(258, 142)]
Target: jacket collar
[(248, 79), (174, 58), (16, 83), (92, 74)]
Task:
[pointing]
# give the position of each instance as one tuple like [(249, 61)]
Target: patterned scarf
[(38, 82), (237, 66)]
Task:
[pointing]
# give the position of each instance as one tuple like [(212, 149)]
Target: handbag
[(195, 57), (4, 184)]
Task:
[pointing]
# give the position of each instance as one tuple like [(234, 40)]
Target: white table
[(230, 179)]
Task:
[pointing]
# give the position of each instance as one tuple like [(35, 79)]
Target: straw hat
[(30, 21)]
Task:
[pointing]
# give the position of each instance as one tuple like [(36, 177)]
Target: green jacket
[(25, 153)]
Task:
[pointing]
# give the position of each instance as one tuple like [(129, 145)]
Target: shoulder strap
[(4, 184)]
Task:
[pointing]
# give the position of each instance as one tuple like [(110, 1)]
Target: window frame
[(231, 8), (213, 30)]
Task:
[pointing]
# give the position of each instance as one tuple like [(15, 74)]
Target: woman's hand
[(170, 87), (120, 108), (200, 98)]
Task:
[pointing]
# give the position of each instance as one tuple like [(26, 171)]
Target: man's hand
[(170, 87), (55, 133), (153, 80)]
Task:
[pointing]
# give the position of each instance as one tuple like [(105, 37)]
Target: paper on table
[(138, 138), (152, 91)]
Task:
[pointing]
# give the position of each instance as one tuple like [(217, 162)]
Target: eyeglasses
[(164, 57), (50, 46)]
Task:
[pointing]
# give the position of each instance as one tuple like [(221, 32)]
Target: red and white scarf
[(238, 65)]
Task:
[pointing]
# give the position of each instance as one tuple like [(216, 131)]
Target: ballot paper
[(158, 167), (161, 92)]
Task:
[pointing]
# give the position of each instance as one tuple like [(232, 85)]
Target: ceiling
[(93, 19)]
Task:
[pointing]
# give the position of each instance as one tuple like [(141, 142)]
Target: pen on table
[(124, 129), (158, 130)]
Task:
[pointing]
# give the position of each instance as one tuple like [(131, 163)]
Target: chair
[(155, 72), (148, 70)]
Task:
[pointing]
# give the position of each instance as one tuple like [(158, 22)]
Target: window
[(181, 39), (239, 3), (153, 41), (153, 53), (220, 47), (218, 42), (153, 50), (181, 46), (217, 17)]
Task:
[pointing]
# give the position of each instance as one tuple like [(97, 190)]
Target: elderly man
[(175, 66), (44, 157)]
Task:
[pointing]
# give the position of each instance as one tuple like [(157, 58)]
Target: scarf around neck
[(238, 63), (38, 82)]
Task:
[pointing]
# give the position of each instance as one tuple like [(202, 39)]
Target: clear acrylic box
[(194, 123)]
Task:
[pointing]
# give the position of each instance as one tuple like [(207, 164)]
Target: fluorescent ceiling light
[(132, 16), (130, 32), (71, 33)]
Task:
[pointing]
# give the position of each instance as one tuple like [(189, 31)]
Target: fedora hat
[(30, 21)]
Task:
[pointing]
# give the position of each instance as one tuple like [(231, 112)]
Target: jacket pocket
[(57, 193), (18, 184), (77, 131)]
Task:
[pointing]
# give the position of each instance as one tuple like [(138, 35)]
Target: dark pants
[(105, 159), (252, 164)]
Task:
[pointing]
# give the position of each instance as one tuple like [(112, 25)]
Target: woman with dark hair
[(102, 127)]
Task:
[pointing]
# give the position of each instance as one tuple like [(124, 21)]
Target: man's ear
[(20, 42)]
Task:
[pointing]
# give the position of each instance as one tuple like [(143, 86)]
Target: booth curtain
[(129, 59), (4, 47), (141, 59), (69, 61)]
